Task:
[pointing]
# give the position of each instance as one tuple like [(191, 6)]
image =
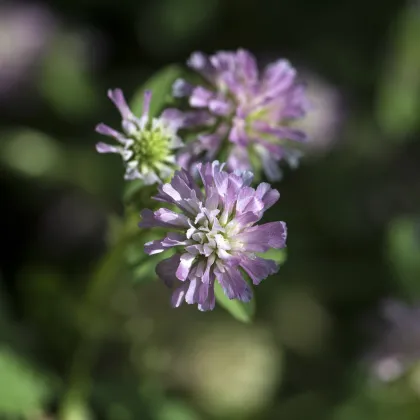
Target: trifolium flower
[(146, 144), (216, 234), (245, 113)]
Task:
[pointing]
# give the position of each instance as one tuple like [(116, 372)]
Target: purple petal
[(267, 195), (206, 297), (270, 163), (212, 175), (146, 102), (248, 65), (233, 284), (197, 118), (182, 191), (212, 201), (230, 194), (280, 132), (171, 192), (107, 131), (163, 218), (245, 219), (201, 63), (160, 245), (279, 76), (166, 270), (238, 134), (200, 97), (220, 107), (238, 159), (248, 201), (259, 268), (192, 293), (224, 61), (178, 295), (173, 117), (117, 97), (185, 264), (181, 88), (211, 143), (263, 237), (107, 148)]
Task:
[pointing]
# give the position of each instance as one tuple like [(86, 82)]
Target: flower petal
[(160, 245), (248, 201), (107, 148), (201, 63), (117, 97), (233, 284), (163, 218), (220, 107), (258, 268), (200, 97), (248, 65), (206, 297), (166, 270), (280, 132), (185, 264), (238, 159), (192, 293), (178, 295), (263, 237), (267, 195)]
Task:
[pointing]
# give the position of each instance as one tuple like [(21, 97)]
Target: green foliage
[(403, 250), (24, 389), (241, 311), (161, 86), (277, 255), (177, 29), (142, 266), (398, 101), (382, 402), (65, 82)]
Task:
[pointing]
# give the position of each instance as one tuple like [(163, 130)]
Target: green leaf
[(175, 410), (64, 81), (132, 189), (178, 29), (142, 265), (161, 86), (241, 311), (403, 252), (398, 101), (278, 255), (145, 271), (24, 390)]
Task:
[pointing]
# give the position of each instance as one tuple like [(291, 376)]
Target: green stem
[(73, 405)]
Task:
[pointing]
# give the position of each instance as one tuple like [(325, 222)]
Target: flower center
[(211, 235), (150, 141), (150, 146)]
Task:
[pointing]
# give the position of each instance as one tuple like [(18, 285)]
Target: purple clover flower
[(216, 234), (245, 112), (146, 144)]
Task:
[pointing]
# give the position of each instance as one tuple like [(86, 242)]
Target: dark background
[(352, 208)]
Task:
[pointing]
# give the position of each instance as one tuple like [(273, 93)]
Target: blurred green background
[(352, 209)]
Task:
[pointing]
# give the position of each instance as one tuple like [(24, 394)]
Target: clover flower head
[(243, 111), (146, 144), (216, 234)]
